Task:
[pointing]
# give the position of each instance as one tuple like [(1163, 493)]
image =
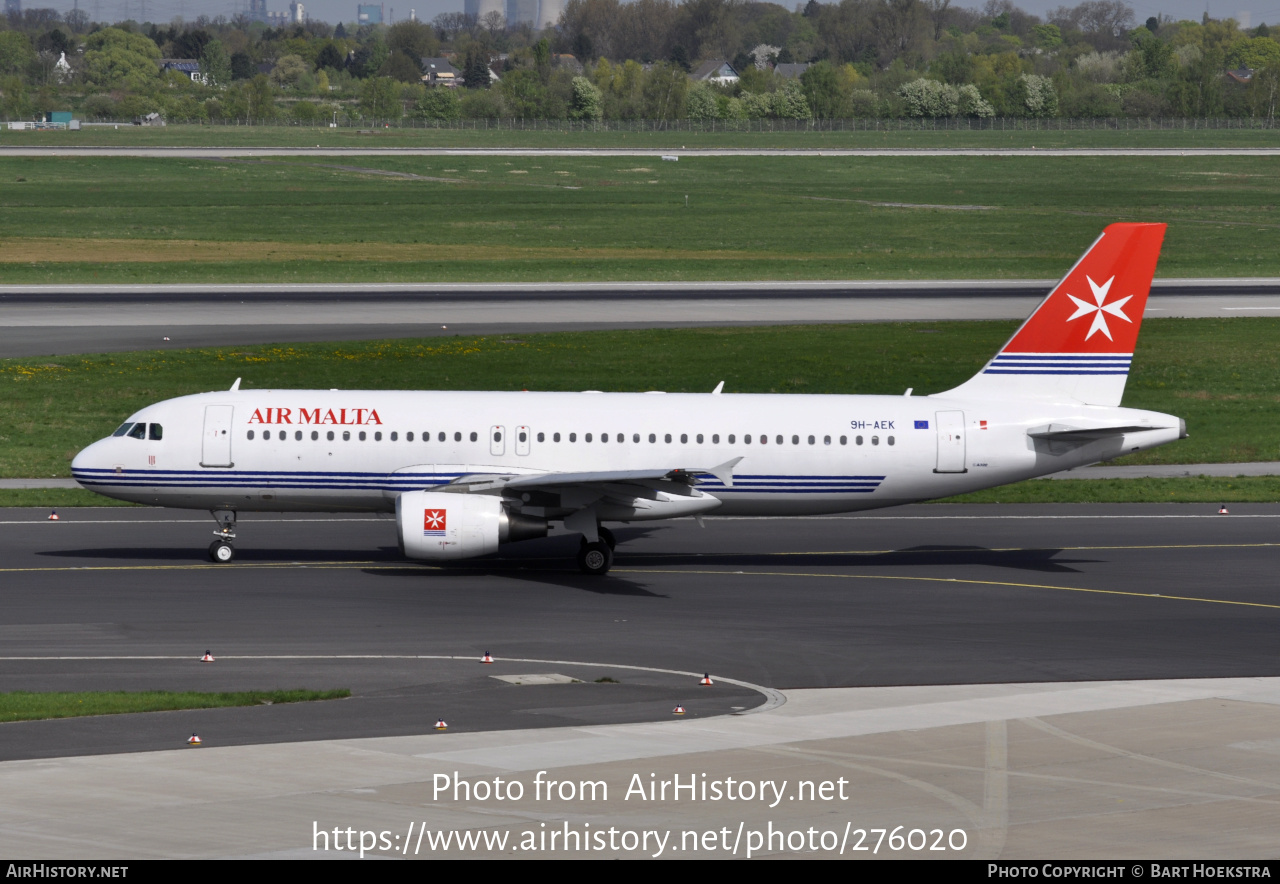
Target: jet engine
[(437, 525)]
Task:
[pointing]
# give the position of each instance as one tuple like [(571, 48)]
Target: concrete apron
[(1157, 769)]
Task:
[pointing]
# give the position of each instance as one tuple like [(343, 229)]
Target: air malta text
[(343, 416)]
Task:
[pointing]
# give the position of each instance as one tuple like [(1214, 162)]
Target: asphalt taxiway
[(924, 595)]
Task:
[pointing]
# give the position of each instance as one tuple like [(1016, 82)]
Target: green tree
[(115, 59), (587, 102), (215, 64), (289, 72), (402, 67), (15, 52), (380, 99), (14, 99), (414, 39), (523, 94), (1255, 53), (702, 102), (440, 103), (822, 91), (475, 67), (260, 99)]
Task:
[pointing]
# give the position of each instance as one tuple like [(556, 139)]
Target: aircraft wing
[(480, 482)]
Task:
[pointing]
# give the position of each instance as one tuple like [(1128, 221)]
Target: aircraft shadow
[(1038, 560)]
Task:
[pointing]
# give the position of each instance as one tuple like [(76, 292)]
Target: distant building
[(717, 71), (186, 66), (1241, 75), (297, 14), (13, 7), (549, 14), (790, 71), (370, 13), (439, 72), (481, 8), (258, 10), (522, 12)]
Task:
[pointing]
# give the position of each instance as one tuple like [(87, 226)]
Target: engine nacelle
[(438, 525)]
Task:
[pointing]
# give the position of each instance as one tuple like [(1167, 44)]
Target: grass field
[(29, 706), (1222, 376), (480, 137), (119, 220)]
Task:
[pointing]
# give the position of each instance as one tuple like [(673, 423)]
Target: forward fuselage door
[(951, 432), (522, 440), (497, 441), (216, 448)]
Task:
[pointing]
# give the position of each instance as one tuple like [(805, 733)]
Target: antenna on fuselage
[(235, 386), (719, 387)]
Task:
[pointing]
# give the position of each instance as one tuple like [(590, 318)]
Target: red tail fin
[(1079, 342)]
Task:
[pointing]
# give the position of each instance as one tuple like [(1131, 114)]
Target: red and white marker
[(486, 658), (1222, 511), (679, 710), (706, 680), (440, 725), (207, 658), (194, 741), (53, 516)]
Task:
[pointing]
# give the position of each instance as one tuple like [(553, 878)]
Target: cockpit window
[(139, 431), (124, 428), (157, 432)]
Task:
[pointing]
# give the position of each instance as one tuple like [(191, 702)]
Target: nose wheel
[(221, 551)]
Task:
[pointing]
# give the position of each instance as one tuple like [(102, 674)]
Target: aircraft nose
[(86, 459)]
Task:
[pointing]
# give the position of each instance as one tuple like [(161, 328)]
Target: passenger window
[(778, 440), (395, 436), (795, 440), (622, 438), (635, 437), (497, 437), (346, 435), (715, 438), (875, 440), (523, 437), (857, 439), (377, 437), (586, 437), (157, 433), (890, 440), (826, 440), (764, 440), (297, 436), (555, 437), (573, 437), (844, 440), (362, 436), (329, 435), (604, 437), (667, 437), (731, 438), (684, 438), (249, 435), (653, 437), (139, 431), (747, 438), (812, 440), (124, 428), (315, 434), (699, 438), (475, 437)]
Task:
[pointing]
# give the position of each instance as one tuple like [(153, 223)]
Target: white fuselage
[(309, 450)]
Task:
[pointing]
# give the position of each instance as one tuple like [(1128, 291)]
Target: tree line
[(609, 60)]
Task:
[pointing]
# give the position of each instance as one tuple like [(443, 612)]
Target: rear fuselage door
[(951, 433), (216, 448)]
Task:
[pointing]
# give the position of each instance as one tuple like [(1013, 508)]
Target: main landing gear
[(221, 550), (597, 558)]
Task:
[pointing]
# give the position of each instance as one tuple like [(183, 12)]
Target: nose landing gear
[(221, 550)]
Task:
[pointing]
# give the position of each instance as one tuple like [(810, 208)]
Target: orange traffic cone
[(53, 516), (486, 658), (207, 658), (706, 680), (679, 710), (440, 725), (194, 741), (1222, 511)]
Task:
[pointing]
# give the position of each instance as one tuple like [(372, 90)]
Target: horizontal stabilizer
[(1064, 433)]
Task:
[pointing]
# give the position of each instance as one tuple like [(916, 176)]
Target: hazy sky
[(1254, 11)]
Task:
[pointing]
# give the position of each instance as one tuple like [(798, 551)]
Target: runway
[(923, 595), (62, 320)]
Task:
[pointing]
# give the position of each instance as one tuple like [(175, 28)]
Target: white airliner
[(467, 472)]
